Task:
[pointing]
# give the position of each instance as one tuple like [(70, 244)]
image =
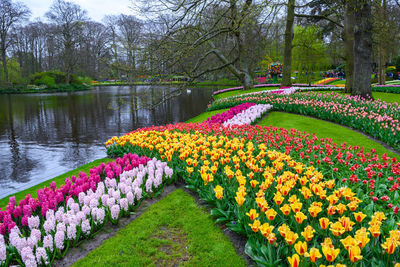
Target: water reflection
[(44, 135)]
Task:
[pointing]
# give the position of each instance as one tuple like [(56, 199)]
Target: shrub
[(57, 76)]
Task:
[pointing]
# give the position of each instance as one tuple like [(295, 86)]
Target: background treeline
[(199, 39)]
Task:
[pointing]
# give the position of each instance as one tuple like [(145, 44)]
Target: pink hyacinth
[(48, 242), (33, 222), (41, 255), (124, 204), (71, 232), (115, 211), (59, 239)]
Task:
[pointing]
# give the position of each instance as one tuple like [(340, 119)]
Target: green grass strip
[(323, 129), (172, 232), (240, 92), (59, 181), (205, 115)]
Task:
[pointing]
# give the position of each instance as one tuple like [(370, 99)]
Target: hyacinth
[(59, 238), (3, 250), (115, 209), (48, 242), (71, 232), (249, 115), (41, 255), (124, 204)]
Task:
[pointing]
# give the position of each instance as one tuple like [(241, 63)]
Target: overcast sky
[(96, 8)]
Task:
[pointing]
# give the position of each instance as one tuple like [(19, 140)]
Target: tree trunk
[(4, 60), (381, 43), (362, 49), (348, 36), (287, 56)]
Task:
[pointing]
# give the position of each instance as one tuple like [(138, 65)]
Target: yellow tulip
[(337, 229), (308, 233), (390, 245), (300, 217), (285, 209), (266, 229), (294, 261), (324, 223), (330, 253), (301, 247), (291, 237), (355, 253), (270, 213), (359, 216), (252, 214), (255, 226), (314, 254), (219, 192)]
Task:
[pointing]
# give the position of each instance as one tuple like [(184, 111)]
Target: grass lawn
[(172, 232), (59, 181), (205, 115), (322, 129), (337, 82), (387, 97), (239, 92)]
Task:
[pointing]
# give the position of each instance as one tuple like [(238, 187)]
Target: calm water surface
[(44, 135)]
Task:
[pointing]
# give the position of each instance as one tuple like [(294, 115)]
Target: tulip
[(390, 245), (301, 247), (314, 255), (354, 253), (337, 229), (266, 229), (294, 261), (300, 217), (308, 233), (291, 237), (252, 214), (330, 253), (270, 213), (324, 223), (255, 226), (219, 192), (359, 216)]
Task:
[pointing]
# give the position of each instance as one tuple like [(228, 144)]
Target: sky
[(96, 9)]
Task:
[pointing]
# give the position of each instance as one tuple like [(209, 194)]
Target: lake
[(45, 135)]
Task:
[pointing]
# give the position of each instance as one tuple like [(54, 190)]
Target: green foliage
[(58, 77), (309, 51), (14, 71), (85, 79), (46, 80)]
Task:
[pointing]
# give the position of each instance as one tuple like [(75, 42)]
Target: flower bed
[(326, 81), (249, 115), (39, 230), (295, 197), (387, 88), (377, 118), (268, 85), (229, 114)]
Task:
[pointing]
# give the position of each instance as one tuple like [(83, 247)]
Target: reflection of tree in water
[(21, 164), (42, 133)]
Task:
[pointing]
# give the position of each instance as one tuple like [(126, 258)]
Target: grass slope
[(59, 181), (172, 232), (239, 92), (323, 129)]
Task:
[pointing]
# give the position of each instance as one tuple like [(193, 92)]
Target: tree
[(348, 38), (205, 29), (362, 48), (69, 21), (10, 15), (309, 51), (287, 56)]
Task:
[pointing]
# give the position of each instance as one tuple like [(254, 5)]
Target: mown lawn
[(172, 232), (239, 92), (323, 129), (59, 181)]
